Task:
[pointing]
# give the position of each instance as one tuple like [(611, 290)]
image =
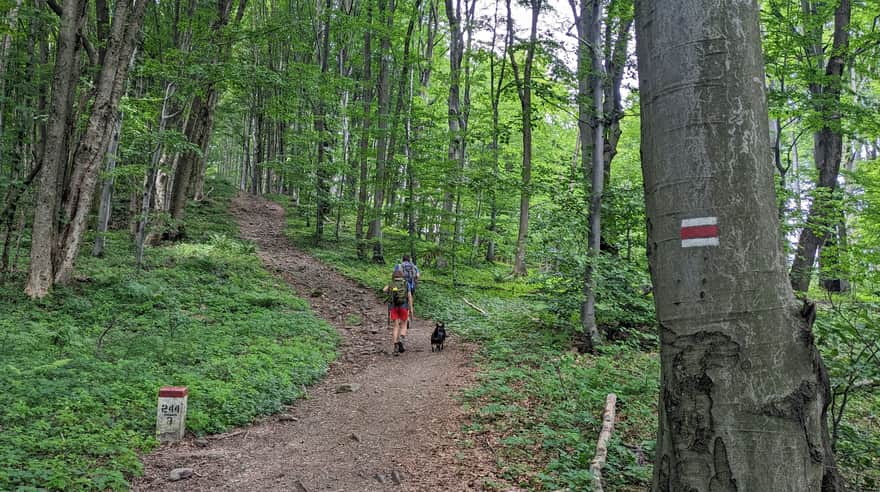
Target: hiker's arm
[(385, 289)]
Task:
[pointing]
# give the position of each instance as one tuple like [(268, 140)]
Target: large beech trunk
[(54, 251), (744, 392), (41, 274), (91, 151)]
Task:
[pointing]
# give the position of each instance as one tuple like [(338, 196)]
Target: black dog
[(438, 337)]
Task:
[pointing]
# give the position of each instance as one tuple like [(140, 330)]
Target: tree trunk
[(197, 132), (454, 119), (90, 153), (615, 63), (367, 97), (7, 217), (383, 89), (776, 134), (42, 271), (31, 133), (259, 120), (495, 85), (404, 75), (322, 173), (524, 89), (744, 391), (11, 20), (201, 119), (591, 134), (106, 204), (827, 153), (146, 199), (246, 155)]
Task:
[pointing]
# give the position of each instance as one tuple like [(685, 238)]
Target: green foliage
[(548, 409), (847, 334), (81, 370), (623, 303), (624, 306)]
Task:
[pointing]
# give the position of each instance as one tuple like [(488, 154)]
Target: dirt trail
[(401, 425)]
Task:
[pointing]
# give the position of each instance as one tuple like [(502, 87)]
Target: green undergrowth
[(847, 329), (80, 370), (537, 406)]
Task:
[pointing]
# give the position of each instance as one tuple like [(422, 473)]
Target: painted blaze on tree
[(743, 395)]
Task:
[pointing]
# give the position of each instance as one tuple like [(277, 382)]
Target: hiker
[(410, 272), (399, 309), (411, 275)]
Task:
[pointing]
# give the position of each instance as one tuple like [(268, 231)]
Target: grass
[(539, 404), (80, 370)]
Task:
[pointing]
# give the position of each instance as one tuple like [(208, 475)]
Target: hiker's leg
[(404, 323), (395, 332)]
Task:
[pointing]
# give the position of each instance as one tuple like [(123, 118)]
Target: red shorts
[(398, 312)]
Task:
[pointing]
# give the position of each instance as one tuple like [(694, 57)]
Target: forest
[(677, 206)]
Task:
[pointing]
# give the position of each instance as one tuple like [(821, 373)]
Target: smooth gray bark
[(588, 21), (524, 90), (743, 389), (105, 205), (152, 171)]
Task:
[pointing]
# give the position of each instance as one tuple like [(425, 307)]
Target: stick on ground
[(477, 308), (602, 444)]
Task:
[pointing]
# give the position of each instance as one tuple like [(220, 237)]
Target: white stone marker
[(171, 413)]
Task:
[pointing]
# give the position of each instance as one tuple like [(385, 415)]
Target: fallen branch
[(477, 308), (602, 444), (226, 436)]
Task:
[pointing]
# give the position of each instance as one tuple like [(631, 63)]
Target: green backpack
[(397, 293)]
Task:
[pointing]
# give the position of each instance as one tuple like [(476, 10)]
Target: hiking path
[(400, 429)]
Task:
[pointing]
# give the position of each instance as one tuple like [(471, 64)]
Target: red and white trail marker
[(699, 231), (171, 413)]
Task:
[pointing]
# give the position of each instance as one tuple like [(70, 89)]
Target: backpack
[(409, 274), (397, 293)]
